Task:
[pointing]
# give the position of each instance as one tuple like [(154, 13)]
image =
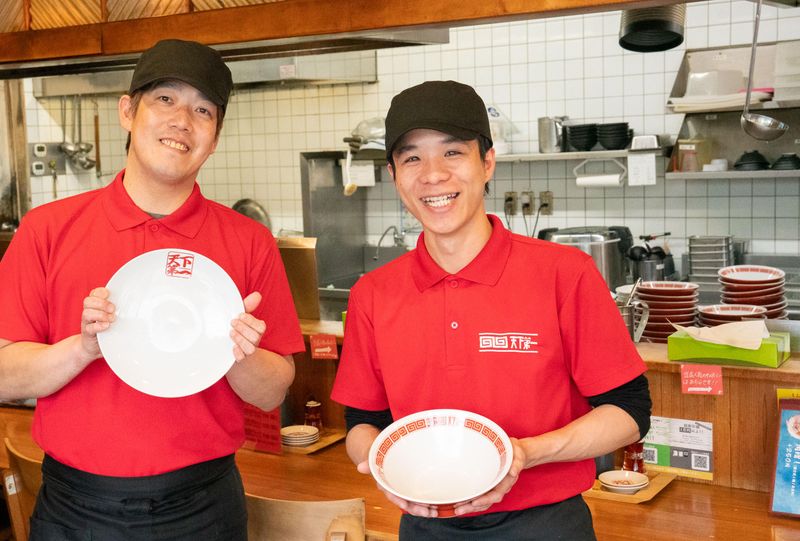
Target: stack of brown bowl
[(755, 285), (669, 302), (717, 314)]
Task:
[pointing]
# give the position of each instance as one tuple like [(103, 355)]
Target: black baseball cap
[(447, 106), (188, 61)]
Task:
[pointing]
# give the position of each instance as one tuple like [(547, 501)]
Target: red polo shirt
[(96, 422), (521, 335)]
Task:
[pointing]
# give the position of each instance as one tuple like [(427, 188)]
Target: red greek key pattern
[(472, 424)]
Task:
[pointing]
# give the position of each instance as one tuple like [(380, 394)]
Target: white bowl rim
[(501, 435), (606, 478)]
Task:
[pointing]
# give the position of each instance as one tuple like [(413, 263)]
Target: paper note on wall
[(362, 173), (641, 169)]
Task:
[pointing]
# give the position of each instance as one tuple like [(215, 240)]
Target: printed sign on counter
[(701, 379), (786, 485), (784, 394), (323, 346), (680, 446)]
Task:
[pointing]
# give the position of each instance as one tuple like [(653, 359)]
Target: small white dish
[(623, 481), (299, 431), (171, 336)]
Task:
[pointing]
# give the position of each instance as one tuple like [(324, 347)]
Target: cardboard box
[(772, 353)]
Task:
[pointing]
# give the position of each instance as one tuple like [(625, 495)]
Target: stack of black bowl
[(581, 137), (615, 136), (751, 160), (786, 162)]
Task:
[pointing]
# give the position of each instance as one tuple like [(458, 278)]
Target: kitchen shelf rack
[(732, 175), (551, 156)]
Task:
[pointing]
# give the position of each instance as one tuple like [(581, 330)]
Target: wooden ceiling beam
[(287, 19)]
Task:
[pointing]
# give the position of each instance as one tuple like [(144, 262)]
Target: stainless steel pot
[(550, 134), (604, 244)]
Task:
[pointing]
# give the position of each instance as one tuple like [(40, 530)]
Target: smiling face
[(173, 132), (441, 181)]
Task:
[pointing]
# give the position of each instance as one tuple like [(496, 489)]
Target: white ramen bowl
[(440, 457)]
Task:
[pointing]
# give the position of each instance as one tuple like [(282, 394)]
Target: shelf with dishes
[(580, 155), (713, 146), (732, 175), (711, 80), (552, 156)]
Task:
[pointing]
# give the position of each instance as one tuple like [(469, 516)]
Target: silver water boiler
[(606, 244)]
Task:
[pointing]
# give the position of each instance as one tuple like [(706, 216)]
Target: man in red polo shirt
[(121, 464), (519, 330)]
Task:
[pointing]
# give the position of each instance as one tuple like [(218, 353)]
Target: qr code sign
[(700, 462), (650, 455)]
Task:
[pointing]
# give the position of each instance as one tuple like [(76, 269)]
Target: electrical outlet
[(546, 203), (526, 202), (510, 206)]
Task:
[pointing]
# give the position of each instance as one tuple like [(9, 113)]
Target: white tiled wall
[(566, 65)]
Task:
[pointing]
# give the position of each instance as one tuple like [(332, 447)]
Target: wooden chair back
[(21, 483), (283, 520)]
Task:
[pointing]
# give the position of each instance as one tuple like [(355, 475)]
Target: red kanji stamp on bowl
[(180, 264)]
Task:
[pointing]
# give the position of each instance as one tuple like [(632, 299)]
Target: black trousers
[(203, 502), (569, 520)]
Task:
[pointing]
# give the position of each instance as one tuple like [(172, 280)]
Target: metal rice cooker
[(606, 244)]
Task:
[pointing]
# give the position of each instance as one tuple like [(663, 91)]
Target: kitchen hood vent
[(246, 51), (334, 68)]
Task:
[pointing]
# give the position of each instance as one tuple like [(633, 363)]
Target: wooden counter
[(683, 510), (744, 417)]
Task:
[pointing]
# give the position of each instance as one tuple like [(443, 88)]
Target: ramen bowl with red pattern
[(440, 457)]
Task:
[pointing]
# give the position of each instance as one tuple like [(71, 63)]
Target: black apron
[(200, 502), (569, 520)]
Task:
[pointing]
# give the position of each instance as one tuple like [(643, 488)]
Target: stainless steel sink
[(333, 295)]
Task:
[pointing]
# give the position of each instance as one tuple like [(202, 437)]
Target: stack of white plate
[(708, 254), (756, 285), (299, 435), (669, 302), (719, 314)]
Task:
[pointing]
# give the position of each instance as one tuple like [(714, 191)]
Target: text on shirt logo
[(179, 264), (507, 342)]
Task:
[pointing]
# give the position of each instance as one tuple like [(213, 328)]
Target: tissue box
[(772, 353)]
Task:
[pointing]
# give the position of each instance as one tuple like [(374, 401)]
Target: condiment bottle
[(633, 457), (313, 413)]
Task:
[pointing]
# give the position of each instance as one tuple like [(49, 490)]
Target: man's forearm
[(359, 440), (33, 370), (602, 430), (262, 378)]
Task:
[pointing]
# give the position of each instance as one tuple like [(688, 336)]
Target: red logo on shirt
[(507, 342), (179, 264)]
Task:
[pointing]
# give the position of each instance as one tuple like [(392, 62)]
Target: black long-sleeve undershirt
[(633, 397)]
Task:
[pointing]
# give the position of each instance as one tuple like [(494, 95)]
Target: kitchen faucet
[(398, 237)]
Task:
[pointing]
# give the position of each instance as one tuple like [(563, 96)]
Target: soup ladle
[(761, 127), (67, 148)]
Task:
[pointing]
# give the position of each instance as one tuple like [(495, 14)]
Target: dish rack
[(707, 255)]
